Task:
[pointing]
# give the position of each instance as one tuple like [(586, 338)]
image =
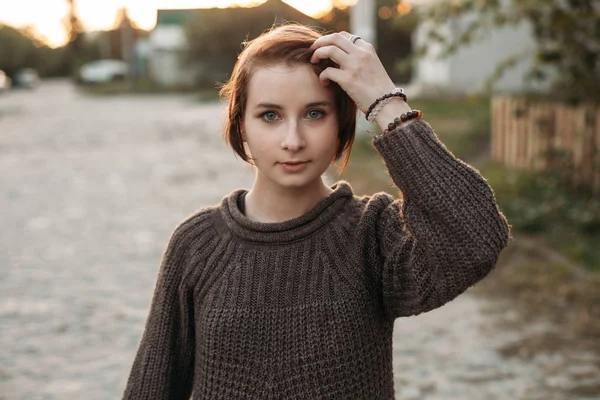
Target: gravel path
[(92, 188)]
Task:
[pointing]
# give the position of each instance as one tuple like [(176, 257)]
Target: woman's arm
[(163, 366), (447, 232)]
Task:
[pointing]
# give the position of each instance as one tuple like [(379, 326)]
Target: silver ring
[(353, 38)]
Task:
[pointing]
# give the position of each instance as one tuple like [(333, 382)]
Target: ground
[(92, 187)]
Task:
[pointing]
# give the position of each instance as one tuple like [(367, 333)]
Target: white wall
[(430, 70), (468, 69), (166, 67)]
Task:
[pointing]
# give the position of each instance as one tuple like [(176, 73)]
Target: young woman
[(290, 290)]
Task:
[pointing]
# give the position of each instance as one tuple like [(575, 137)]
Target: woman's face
[(290, 125)]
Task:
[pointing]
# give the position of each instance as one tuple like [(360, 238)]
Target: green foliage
[(16, 49), (19, 48), (545, 203), (567, 35), (462, 123), (215, 35), (536, 201), (394, 40), (75, 43)]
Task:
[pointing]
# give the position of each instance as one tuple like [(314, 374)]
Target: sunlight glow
[(46, 16)]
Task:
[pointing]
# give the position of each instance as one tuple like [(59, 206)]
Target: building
[(169, 44), (468, 70), (167, 47)]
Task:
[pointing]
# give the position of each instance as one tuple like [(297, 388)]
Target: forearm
[(450, 211)]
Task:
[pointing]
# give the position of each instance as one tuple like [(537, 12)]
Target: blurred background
[(110, 135)]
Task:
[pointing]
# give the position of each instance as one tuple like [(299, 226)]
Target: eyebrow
[(278, 107)]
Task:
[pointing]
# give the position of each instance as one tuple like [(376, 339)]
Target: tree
[(15, 48), (394, 36), (567, 35), (124, 29), (215, 35), (75, 43), (21, 48)]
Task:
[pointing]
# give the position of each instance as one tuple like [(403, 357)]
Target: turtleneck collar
[(286, 231)]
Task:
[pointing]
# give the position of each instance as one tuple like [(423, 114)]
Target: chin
[(295, 181)]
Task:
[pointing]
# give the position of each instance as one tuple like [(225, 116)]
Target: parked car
[(5, 82), (27, 78), (103, 71)]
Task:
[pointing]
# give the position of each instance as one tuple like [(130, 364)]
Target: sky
[(46, 16)]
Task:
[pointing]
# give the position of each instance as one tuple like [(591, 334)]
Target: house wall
[(165, 62), (166, 69), (430, 70), (469, 68)]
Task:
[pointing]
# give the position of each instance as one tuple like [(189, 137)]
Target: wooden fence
[(531, 134)]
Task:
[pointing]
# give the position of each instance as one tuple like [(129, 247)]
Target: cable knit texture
[(304, 309)]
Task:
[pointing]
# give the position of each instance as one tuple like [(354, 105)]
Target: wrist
[(381, 101), (390, 111)]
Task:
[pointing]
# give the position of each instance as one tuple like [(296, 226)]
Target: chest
[(283, 277)]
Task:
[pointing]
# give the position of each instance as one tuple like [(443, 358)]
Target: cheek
[(258, 140), (331, 137)]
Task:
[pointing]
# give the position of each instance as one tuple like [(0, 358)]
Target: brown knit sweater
[(304, 309)]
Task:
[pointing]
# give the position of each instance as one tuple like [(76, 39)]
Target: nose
[(293, 139)]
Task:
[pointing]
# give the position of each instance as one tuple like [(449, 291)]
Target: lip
[(294, 162), (293, 166)]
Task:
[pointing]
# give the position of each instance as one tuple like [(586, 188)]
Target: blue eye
[(269, 116), (314, 114)]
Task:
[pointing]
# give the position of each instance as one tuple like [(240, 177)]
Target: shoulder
[(372, 207), (376, 213), (193, 231), (366, 207)]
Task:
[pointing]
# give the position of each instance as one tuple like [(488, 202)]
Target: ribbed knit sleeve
[(447, 232), (163, 366)]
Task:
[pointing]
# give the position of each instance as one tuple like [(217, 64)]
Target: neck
[(272, 203)]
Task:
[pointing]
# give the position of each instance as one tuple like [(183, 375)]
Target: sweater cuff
[(417, 159)]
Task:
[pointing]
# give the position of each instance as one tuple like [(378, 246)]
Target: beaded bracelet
[(378, 107), (397, 92), (413, 114)]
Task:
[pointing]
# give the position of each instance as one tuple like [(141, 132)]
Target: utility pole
[(363, 20), (74, 30), (105, 45), (127, 50)]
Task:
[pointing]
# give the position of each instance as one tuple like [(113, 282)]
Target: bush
[(545, 203)]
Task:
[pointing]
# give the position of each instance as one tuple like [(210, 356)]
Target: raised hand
[(361, 74)]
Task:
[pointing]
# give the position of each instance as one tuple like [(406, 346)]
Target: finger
[(334, 53), (346, 45), (364, 45), (335, 39), (332, 74), (360, 42)]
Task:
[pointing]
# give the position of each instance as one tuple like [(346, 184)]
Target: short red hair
[(289, 43)]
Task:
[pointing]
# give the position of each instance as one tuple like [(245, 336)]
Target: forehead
[(286, 84)]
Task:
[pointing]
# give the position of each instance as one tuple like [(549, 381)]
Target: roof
[(174, 17), (179, 17)]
